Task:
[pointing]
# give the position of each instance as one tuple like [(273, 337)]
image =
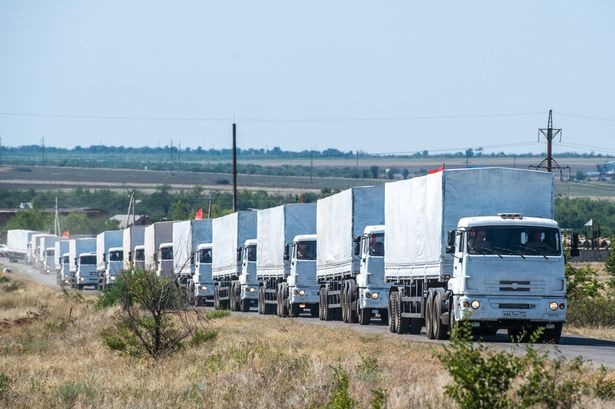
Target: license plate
[(514, 314)]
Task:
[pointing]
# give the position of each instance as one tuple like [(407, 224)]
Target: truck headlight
[(553, 305), (301, 292), (81, 279), (475, 304), (375, 296), (112, 278), (252, 289), (204, 287)]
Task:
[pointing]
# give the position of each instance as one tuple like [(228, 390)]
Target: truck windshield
[(65, 259), (166, 253), (140, 255), (519, 240), (205, 256), (376, 245), (87, 260), (116, 256), (251, 252), (305, 250), (49, 253)]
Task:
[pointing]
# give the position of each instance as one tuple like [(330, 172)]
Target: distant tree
[(31, 219), (580, 175), (180, 211), (374, 169), (610, 264), (405, 173)]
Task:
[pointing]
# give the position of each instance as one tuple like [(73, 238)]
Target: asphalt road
[(597, 351)]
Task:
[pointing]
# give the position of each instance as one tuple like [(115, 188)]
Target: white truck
[(60, 249), (202, 280), (36, 256), (109, 257), (234, 261), (133, 236), (157, 235), (475, 244), (82, 256), (46, 253), (341, 221), (276, 229), (18, 243), (187, 237), (300, 291), (138, 255)]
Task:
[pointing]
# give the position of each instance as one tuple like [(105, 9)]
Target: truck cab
[(138, 257), (303, 288), (114, 265), (508, 273), (65, 274), (202, 281), (373, 292), (248, 283), (48, 264), (165, 260), (86, 274)]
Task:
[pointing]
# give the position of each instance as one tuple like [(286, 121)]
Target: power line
[(595, 118), (264, 119)]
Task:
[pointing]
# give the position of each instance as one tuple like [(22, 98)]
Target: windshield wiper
[(536, 252), (500, 249)]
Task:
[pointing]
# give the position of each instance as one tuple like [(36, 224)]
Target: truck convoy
[(276, 229), (475, 244), (133, 236), (187, 236), (109, 257), (341, 222), (234, 261), (82, 257), (158, 246)]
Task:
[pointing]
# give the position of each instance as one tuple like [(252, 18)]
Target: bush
[(340, 398), (582, 283), (212, 315), (200, 337), (155, 318), (5, 384), (71, 391), (592, 312)]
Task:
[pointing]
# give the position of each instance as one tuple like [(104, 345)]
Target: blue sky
[(394, 76)]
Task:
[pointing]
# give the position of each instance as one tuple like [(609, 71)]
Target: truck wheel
[(392, 315), (384, 316), (428, 314), (278, 298), (236, 296), (321, 304), (440, 331), (217, 297), (293, 310), (244, 305), (343, 295), (285, 298), (553, 336), (365, 315), (353, 298), (261, 300), (231, 297), (326, 311), (403, 324)]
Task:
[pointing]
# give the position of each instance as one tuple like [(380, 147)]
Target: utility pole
[(56, 226), (357, 164), (311, 164), (550, 133), (234, 167), (0, 151), (43, 145)]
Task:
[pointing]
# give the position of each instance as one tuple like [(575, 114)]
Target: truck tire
[(343, 296), (321, 305), (403, 324), (440, 330), (325, 304), (217, 305), (293, 310), (278, 297), (244, 305), (236, 296), (428, 314), (231, 297), (553, 336), (314, 310), (261, 300), (365, 315), (353, 293), (392, 315)]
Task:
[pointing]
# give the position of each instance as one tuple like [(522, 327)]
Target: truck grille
[(514, 286), (512, 306)]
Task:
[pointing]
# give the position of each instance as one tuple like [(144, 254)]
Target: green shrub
[(5, 384), (212, 315), (379, 398), (200, 337), (111, 295), (340, 398), (582, 283), (592, 312), (71, 391)]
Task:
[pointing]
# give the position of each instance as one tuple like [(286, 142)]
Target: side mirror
[(450, 248), (287, 252), (356, 245)]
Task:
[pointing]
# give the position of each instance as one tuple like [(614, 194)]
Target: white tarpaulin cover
[(46, 242), (60, 248), (419, 212), (187, 235), (155, 235), (105, 241), (133, 236), (339, 219), (277, 227), (17, 240), (230, 233)]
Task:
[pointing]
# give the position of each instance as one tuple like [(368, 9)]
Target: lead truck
[(234, 261), (474, 244), (276, 230), (347, 288)]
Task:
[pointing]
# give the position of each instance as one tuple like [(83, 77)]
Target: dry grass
[(55, 358), (591, 332)]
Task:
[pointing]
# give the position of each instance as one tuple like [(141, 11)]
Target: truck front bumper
[(204, 290), (508, 310), (303, 295), (91, 279), (249, 292), (374, 298)]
